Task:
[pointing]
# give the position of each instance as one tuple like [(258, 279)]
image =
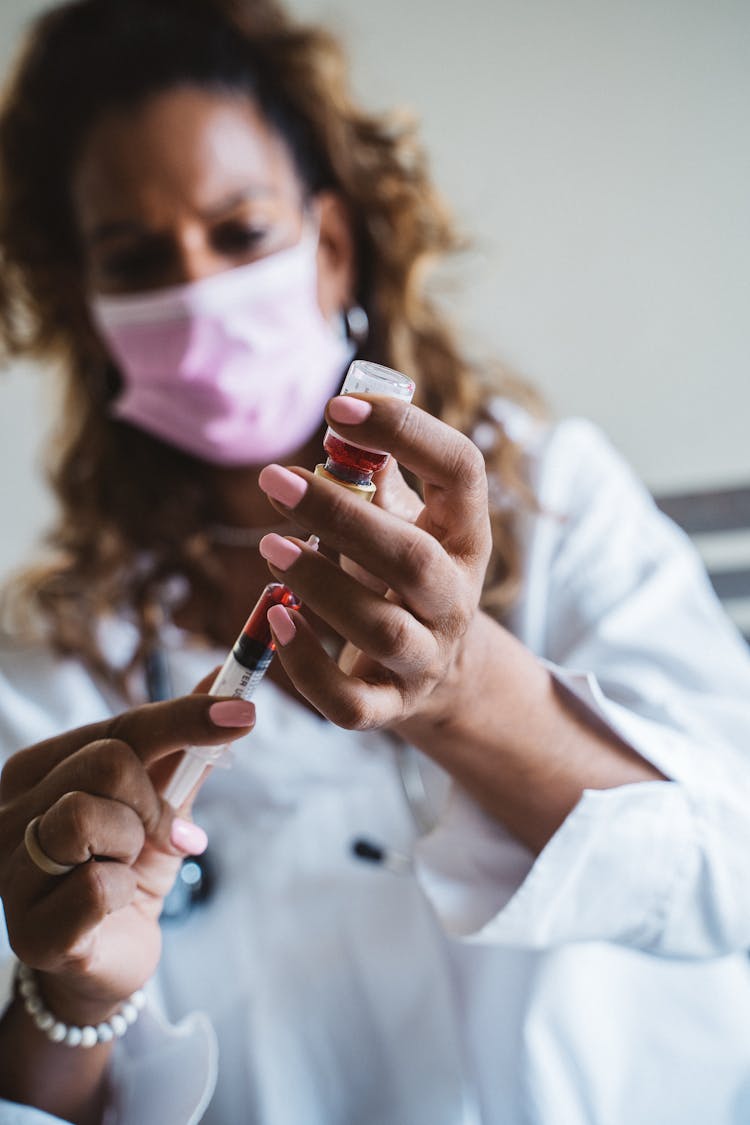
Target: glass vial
[(350, 465)]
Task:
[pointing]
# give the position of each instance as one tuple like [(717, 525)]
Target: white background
[(599, 154)]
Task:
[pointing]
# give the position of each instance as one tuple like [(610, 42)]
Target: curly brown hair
[(112, 551)]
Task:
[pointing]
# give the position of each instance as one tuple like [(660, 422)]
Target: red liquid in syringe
[(349, 461), (242, 671), (255, 643)]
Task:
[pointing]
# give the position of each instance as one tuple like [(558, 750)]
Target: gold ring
[(40, 857)]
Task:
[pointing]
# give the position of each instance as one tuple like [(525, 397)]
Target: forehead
[(184, 148)]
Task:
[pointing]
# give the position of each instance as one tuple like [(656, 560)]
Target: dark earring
[(357, 325)]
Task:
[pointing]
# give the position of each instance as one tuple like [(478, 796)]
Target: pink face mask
[(235, 369)]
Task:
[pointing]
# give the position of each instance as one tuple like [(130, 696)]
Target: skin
[(190, 184)]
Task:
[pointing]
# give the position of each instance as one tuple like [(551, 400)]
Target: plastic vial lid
[(366, 378)]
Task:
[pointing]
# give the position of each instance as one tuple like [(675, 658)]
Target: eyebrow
[(117, 228)]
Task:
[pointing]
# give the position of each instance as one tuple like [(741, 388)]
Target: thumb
[(172, 832), (395, 495), (185, 837)]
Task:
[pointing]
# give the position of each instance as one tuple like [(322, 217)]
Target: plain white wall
[(599, 154)]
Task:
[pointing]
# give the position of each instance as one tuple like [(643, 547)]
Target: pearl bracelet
[(68, 1034)]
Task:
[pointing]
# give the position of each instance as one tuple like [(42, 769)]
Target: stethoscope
[(197, 877)]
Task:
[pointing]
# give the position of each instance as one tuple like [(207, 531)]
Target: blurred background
[(598, 153)]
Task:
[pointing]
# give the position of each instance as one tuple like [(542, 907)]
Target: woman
[(199, 222)]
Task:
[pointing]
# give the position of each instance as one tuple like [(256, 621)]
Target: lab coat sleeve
[(14, 1114), (633, 629)]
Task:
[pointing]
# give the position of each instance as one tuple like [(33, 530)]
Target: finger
[(79, 827), (349, 702), (47, 931), (76, 829), (450, 464), (109, 769), (153, 730), (363, 576), (382, 629), (395, 495), (158, 729), (407, 559)]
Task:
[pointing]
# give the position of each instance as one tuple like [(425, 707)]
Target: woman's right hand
[(93, 934)]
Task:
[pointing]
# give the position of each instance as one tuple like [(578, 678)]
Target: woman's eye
[(135, 265), (237, 238)]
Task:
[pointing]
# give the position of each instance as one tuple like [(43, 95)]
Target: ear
[(337, 267)]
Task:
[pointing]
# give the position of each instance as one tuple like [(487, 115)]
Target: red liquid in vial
[(351, 456)]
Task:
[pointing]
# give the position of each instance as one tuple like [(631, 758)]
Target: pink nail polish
[(281, 485), (232, 713), (349, 410), (280, 552), (282, 624), (188, 837)]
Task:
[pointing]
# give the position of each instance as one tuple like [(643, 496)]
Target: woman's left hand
[(406, 603)]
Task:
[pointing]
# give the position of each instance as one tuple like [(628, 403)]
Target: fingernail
[(188, 837), (349, 410), (281, 485), (281, 622), (280, 552), (232, 713)]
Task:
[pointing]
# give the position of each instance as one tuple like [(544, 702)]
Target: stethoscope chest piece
[(193, 886)]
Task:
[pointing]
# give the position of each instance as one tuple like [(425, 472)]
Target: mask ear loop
[(355, 323)]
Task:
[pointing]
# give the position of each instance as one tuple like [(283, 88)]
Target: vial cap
[(366, 378)]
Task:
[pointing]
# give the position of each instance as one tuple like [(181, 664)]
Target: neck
[(240, 501)]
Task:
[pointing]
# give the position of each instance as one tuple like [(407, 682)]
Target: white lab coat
[(604, 983)]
